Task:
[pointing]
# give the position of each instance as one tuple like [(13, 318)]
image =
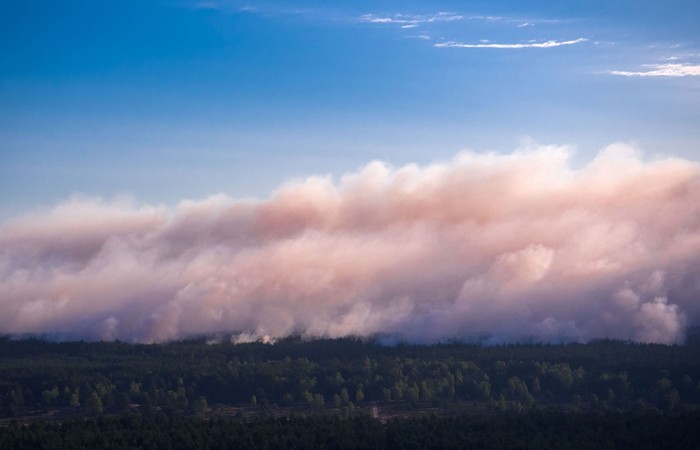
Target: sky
[(136, 135)]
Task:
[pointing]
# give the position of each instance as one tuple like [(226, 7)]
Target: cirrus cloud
[(672, 70), (411, 20), (546, 44)]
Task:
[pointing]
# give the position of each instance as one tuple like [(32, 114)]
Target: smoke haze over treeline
[(508, 247)]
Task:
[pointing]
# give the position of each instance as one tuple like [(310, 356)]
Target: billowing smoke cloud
[(502, 247)]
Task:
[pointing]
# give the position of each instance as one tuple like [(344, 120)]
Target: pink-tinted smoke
[(512, 247)]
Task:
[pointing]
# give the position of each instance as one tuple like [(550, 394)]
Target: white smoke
[(506, 247)]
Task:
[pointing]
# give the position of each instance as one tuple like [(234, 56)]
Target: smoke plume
[(494, 247)]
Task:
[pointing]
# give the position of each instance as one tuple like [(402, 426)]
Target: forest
[(340, 376), (531, 430), (360, 391)]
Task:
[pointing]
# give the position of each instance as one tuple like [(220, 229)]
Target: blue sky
[(170, 100)]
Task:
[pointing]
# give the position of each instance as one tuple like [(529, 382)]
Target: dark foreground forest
[(531, 430), (347, 393)]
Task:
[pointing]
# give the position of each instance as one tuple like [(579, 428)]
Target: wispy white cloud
[(546, 44), (414, 20), (424, 37), (662, 70), (408, 20), (486, 18)]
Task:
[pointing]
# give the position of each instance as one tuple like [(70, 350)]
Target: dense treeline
[(338, 376), (508, 431)]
